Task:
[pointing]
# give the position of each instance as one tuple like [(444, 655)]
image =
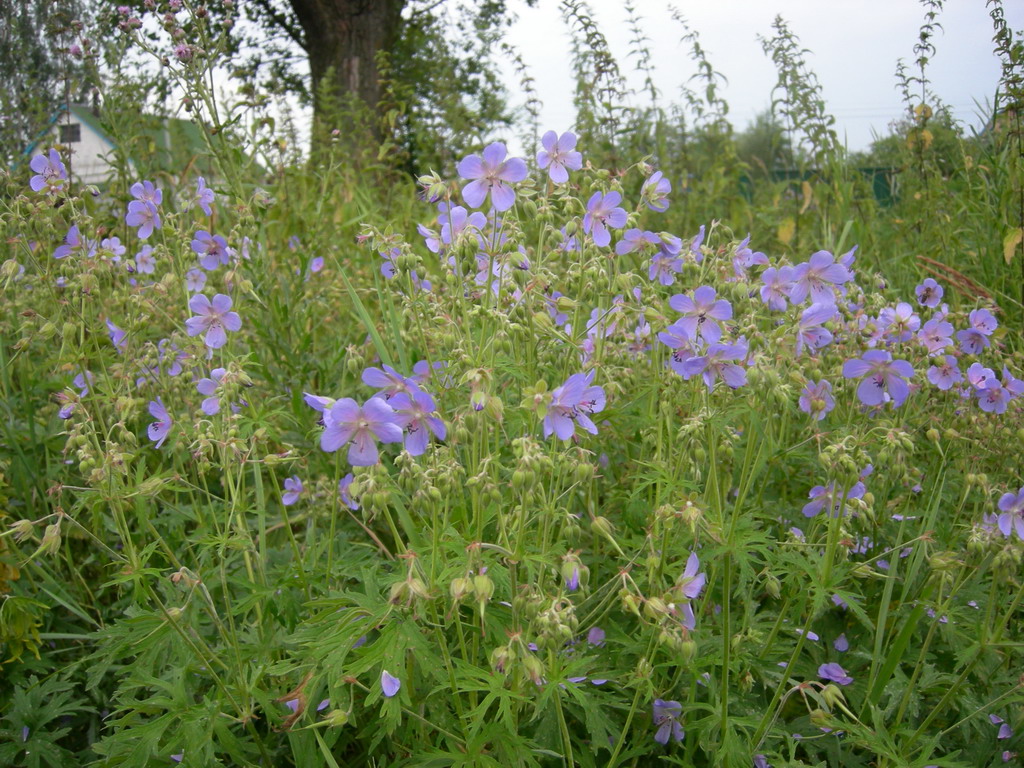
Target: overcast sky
[(854, 47)]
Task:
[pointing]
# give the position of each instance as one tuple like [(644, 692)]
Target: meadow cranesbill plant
[(213, 318), (491, 175), (572, 404), (884, 380), (345, 421), (603, 213), (51, 173), (559, 156), (685, 531)]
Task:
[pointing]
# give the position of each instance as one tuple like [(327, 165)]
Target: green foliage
[(164, 602)]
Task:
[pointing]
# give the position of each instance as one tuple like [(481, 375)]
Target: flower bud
[(603, 527), (336, 718), (399, 591), (459, 588), (655, 608), (494, 409), (22, 529), (501, 658), (687, 650), (51, 539), (534, 668), (483, 587)]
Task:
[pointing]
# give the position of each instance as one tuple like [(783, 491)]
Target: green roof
[(150, 141)]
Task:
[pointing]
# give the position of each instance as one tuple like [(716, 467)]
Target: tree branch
[(296, 34)]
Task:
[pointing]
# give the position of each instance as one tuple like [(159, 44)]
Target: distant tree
[(41, 52), (432, 61), (763, 144)]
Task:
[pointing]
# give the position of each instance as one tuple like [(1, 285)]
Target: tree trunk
[(342, 40)]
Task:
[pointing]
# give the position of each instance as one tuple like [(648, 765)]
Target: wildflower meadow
[(614, 451)]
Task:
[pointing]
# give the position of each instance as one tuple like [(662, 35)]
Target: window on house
[(71, 133)]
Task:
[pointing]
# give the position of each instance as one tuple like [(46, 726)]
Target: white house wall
[(87, 156)]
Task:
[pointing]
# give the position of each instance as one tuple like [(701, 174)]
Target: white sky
[(854, 47)]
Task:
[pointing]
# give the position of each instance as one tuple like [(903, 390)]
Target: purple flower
[(458, 220), (822, 496), (817, 400), (655, 191), (388, 382), (195, 279), (208, 387), (691, 583), (810, 332), (50, 173), (841, 644), (387, 268), (978, 375), (595, 637), (602, 212), (816, 277), (884, 378), (675, 338), (73, 241), (204, 196), (935, 335), (666, 263), (572, 581), (344, 488), (701, 312), (160, 428), (835, 673), (143, 215), (945, 373), (83, 381), (637, 240), (760, 761), (778, 284), (422, 370), (430, 238), (929, 293), (1005, 732), (1011, 507), (317, 402), (212, 250), (293, 490), (117, 337), (1014, 385), (147, 192), (145, 262), (491, 175), (112, 245), (416, 411), (559, 156), (993, 397), (666, 718), (213, 317), (975, 339), (346, 421), (571, 404), (389, 684), (695, 244), (900, 323), (715, 362), (744, 258)]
